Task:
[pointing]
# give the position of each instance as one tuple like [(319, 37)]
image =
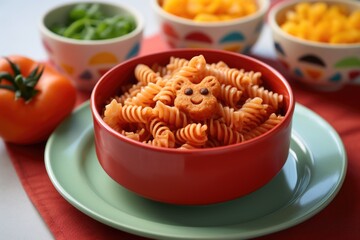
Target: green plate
[(310, 179)]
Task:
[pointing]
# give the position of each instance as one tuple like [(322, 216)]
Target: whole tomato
[(34, 99)]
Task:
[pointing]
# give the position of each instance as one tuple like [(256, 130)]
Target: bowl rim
[(287, 117), (279, 6), (128, 9), (264, 6)]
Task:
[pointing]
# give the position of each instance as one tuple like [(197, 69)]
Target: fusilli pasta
[(160, 108)]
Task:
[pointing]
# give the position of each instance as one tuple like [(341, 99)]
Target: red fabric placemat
[(339, 220)]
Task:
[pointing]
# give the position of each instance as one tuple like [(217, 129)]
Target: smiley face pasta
[(190, 103)]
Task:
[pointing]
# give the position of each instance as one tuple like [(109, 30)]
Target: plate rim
[(321, 204)]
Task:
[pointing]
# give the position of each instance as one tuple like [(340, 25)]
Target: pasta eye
[(204, 91), (188, 91)]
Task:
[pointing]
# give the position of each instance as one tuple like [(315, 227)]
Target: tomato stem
[(8, 87), (24, 87)]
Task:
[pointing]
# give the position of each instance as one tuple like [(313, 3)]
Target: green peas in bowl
[(89, 21), (86, 39)]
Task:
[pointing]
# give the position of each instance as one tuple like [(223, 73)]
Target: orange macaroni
[(210, 10), (322, 22)]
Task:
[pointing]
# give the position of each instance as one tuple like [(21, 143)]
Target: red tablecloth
[(339, 220)]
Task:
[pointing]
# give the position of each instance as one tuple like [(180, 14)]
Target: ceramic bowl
[(85, 61), (192, 176), (237, 35), (320, 66)]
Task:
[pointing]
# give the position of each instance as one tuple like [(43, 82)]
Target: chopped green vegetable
[(88, 22)]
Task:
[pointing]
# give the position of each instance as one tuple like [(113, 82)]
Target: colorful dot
[(169, 31), (232, 37), (335, 78), (298, 72), (134, 51), (198, 37), (353, 75), (102, 57), (233, 47), (86, 75), (315, 74), (348, 62), (279, 48), (312, 59), (67, 68)]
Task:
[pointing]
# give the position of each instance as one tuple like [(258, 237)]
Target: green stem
[(77, 26), (23, 87), (6, 76), (7, 87)]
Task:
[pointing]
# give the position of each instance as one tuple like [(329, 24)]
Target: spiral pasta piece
[(111, 115), (166, 95), (129, 92), (131, 135), (135, 114), (161, 133), (238, 78), (157, 127), (193, 70), (145, 97), (186, 146), (231, 117), (171, 115), (145, 74), (160, 130), (270, 123), (167, 138), (224, 134), (254, 112), (269, 97), (212, 142), (139, 135), (254, 78), (160, 141), (175, 64), (230, 95), (219, 64), (193, 134), (228, 76), (160, 70)]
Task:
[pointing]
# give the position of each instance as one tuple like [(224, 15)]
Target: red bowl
[(198, 176)]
